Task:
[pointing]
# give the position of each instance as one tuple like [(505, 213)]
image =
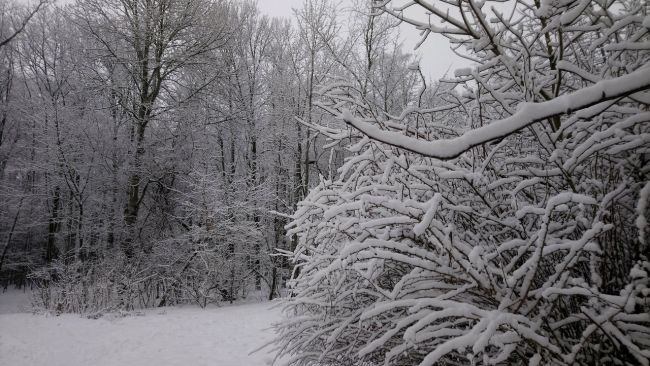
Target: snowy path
[(174, 336)]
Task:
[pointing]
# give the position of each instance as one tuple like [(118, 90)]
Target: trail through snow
[(171, 336)]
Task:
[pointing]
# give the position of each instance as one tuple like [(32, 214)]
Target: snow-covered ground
[(171, 336)]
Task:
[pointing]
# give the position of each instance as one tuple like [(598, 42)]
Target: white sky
[(436, 57)]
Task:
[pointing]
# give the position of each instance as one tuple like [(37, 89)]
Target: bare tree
[(152, 41)]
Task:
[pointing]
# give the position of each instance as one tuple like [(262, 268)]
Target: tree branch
[(526, 115)]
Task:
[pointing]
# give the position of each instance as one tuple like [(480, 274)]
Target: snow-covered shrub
[(503, 223), (92, 287), (216, 259), (220, 255)]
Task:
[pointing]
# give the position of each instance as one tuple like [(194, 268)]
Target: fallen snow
[(172, 336)]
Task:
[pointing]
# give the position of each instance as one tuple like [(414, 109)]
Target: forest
[(159, 153)]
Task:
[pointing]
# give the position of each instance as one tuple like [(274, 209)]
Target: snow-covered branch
[(526, 114)]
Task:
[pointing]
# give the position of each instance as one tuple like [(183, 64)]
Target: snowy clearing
[(171, 336)]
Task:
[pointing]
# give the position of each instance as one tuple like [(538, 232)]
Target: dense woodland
[(160, 152), (151, 150)]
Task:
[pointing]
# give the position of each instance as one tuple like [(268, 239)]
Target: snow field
[(171, 336)]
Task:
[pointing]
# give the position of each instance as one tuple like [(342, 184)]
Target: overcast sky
[(435, 54)]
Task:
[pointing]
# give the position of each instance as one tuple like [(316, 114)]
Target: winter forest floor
[(171, 336)]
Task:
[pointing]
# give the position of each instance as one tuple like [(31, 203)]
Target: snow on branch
[(527, 114)]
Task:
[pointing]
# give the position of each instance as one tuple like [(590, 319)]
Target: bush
[(502, 223)]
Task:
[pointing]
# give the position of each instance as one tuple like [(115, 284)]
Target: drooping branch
[(526, 115)]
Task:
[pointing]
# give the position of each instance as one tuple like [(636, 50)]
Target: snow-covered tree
[(151, 155), (502, 219), (152, 43)]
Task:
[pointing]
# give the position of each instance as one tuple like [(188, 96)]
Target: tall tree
[(152, 41)]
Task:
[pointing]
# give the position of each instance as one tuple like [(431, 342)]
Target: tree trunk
[(51, 252), (274, 275), (11, 233), (133, 192)]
